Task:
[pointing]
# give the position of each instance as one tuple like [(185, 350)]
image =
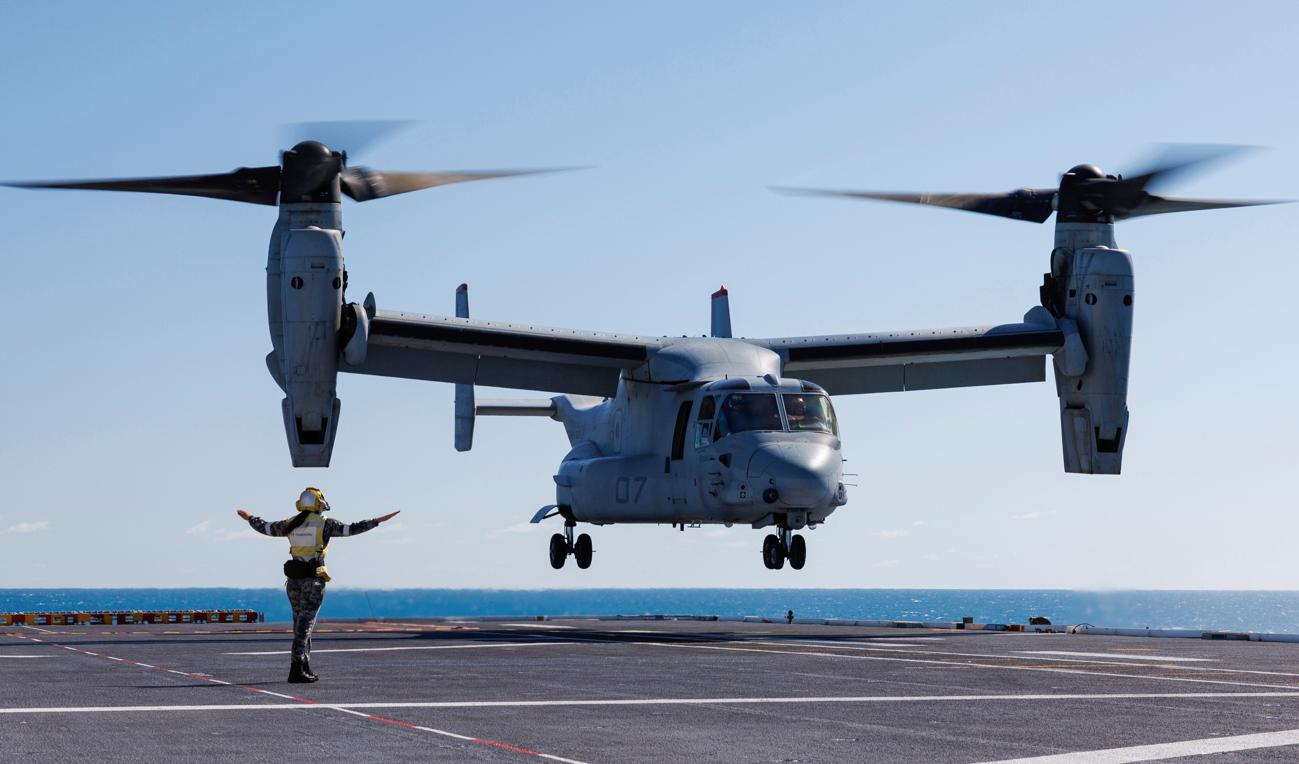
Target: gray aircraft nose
[(804, 474)]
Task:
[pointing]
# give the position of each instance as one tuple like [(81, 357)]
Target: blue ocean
[(1264, 611)]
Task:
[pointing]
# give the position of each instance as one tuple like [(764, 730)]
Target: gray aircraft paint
[(640, 451), (304, 307), (1096, 295)]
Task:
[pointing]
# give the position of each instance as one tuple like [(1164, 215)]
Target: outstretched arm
[(276, 528), (334, 528)]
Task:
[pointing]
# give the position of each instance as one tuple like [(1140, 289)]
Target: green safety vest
[(307, 541)]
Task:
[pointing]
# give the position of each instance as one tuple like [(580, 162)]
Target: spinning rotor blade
[(1158, 205), (353, 136), (255, 185), (1120, 197), (1086, 194), (1035, 204), (1178, 160), (364, 184)]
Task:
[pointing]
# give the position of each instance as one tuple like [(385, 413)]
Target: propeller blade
[(364, 184), (353, 135), (1123, 197), (1158, 205), (255, 185), (1177, 160), (1035, 204)]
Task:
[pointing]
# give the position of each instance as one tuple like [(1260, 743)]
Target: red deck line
[(307, 701)]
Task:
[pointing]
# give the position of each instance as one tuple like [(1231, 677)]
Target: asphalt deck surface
[(639, 691)]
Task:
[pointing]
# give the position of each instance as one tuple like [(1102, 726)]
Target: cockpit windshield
[(741, 412), (808, 411)]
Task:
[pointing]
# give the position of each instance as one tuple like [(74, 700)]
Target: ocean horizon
[(1261, 611)]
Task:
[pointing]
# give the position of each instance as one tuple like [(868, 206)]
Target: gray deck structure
[(638, 691)]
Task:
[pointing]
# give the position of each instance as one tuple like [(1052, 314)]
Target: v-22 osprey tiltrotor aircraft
[(688, 430)]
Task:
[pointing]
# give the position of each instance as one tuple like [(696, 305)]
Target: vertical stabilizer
[(464, 393), (721, 313)]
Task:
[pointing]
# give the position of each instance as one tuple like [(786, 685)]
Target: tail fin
[(721, 313), (464, 392)]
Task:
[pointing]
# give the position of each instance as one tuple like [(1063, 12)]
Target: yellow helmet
[(312, 500)]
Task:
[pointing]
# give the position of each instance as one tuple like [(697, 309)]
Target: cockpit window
[(808, 411), (741, 412)]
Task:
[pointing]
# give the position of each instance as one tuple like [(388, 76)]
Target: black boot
[(306, 668), (297, 675)]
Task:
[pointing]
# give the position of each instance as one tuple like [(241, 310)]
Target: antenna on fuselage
[(721, 313)]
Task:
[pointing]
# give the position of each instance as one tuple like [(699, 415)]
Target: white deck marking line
[(877, 640), (350, 707), (27, 656), (842, 645), (538, 625), (974, 665), (639, 631), (416, 647), (1213, 669), (1158, 751), (866, 645), (35, 628), (1165, 658), (307, 703)]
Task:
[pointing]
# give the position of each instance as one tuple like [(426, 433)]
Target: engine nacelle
[(311, 299), (1091, 371)]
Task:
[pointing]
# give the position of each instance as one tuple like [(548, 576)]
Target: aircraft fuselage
[(738, 447)]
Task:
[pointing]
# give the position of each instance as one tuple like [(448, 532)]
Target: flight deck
[(594, 690)]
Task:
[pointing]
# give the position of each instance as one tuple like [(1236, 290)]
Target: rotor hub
[(311, 173), (1082, 196), (309, 150)]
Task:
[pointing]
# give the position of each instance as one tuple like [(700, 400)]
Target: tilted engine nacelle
[(1091, 370), (311, 302)]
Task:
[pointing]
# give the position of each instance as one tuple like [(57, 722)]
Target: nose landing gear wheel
[(582, 551), (558, 550), (773, 552), (797, 553)]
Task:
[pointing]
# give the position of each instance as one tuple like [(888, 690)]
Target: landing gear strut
[(563, 544), (786, 546)]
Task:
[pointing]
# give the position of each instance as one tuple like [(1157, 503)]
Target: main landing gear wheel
[(773, 552), (558, 551), (582, 551), (563, 544), (797, 553)]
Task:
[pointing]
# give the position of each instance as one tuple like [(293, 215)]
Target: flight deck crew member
[(309, 533)]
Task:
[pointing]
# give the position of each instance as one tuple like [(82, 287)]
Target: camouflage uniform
[(306, 594), (305, 597)]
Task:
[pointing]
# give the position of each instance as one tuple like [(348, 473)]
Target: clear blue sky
[(136, 407)]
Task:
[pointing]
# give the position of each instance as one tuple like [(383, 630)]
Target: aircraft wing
[(924, 359), (493, 354)]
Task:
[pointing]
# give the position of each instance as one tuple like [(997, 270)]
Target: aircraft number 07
[(622, 492)]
